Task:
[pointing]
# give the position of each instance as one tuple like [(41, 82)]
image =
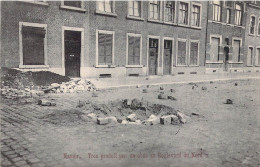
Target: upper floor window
[(76, 4), (238, 14), (183, 13), (216, 11), (258, 32), (154, 10), (195, 20), (252, 25), (105, 6), (134, 8), (229, 10), (169, 11)]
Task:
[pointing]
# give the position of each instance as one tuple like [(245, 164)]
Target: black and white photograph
[(130, 83)]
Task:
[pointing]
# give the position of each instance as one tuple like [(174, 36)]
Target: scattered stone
[(92, 116), (124, 122), (128, 102), (81, 104), (193, 87), (94, 94), (112, 120), (145, 90), (162, 96), (211, 82), (137, 122), (138, 86), (102, 121), (236, 84), (131, 118), (148, 86), (153, 120), (171, 98), (166, 120), (203, 88), (195, 114), (173, 91), (175, 120), (182, 117), (161, 88), (229, 101), (147, 78), (45, 102)]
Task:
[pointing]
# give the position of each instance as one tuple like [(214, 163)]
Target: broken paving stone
[(92, 116), (175, 120), (203, 88), (145, 90), (229, 101), (131, 118), (102, 121), (162, 96), (166, 120), (112, 120), (153, 120), (171, 98), (182, 117)]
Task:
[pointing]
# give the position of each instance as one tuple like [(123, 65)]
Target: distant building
[(121, 38)]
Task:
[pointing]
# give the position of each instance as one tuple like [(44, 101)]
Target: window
[(228, 16), (134, 49), (195, 20), (33, 43), (194, 50), (105, 47), (215, 42), (76, 4), (169, 11), (252, 25), (154, 10), (105, 6), (134, 8), (258, 31), (238, 14), (236, 51), (181, 56), (258, 56), (216, 11), (250, 56), (183, 13)]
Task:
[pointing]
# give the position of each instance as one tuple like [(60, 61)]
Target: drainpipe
[(206, 37)]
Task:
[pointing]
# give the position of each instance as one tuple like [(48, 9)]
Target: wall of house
[(252, 40)]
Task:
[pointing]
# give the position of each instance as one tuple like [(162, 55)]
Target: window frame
[(188, 15), (220, 44), (250, 25), (81, 9), (113, 47), (241, 16), (200, 5), (21, 24), (220, 6), (160, 12), (136, 17), (258, 27), (240, 53), (113, 13), (175, 13), (186, 56), (257, 57), (252, 58), (133, 35), (198, 42)]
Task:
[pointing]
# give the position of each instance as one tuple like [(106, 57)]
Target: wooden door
[(167, 59), (72, 53), (153, 56)]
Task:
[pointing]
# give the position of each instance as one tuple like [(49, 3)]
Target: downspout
[(206, 37)]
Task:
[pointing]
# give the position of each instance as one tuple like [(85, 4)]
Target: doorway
[(153, 56), (167, 57), (72, 46)]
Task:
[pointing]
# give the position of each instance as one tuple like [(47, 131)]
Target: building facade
[(124, 38)]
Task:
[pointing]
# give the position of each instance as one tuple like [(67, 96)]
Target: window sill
[(37, 3), (72, 8), (169, 23), (105, 66), (193, 65), (238, 26), (214, 62), (106, 13), (154, 21), (258, 65), (194, 27), (230, 62), (135, 18), (249, 65), (183, 25), (181, 65), (217, 22), (134, 66), (34, 66)]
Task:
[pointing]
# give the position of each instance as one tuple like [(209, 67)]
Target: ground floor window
[(236, 51), (215, 43), (105, 47), (33, 44), (194, 49), (258, 56), (134, 49), (181, 55), (77, 4), (250, 56)]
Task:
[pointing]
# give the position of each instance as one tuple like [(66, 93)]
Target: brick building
[(120, 38)]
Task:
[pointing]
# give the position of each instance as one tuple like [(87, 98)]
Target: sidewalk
[(105, 83)]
